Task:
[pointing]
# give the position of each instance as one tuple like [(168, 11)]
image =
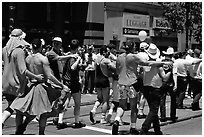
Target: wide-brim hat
[(153, 51), (169, 51), (16, 33)]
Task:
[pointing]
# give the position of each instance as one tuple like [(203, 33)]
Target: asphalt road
[(189, 123)]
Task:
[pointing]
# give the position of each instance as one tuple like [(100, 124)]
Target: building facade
[(93, 23)]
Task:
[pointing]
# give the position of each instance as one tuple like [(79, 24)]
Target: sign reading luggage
[(134, 23)]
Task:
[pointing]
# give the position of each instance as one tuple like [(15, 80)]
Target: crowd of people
[(39, 82)]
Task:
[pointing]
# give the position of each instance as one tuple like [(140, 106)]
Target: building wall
[(95, 17), (114, 24)]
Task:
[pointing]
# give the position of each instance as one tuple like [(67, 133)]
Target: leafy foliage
[(181, 15)]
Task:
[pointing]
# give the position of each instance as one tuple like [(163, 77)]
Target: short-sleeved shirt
[(14, 77), (180, 67), (71, 77), (151, 77), (55, 65)]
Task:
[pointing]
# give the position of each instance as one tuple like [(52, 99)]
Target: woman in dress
[(40, 95)]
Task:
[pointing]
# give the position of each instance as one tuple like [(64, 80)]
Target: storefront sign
[(130, 31), (160, 23), (134, 23)]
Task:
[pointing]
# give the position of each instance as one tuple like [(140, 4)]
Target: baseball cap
[(57, 39)]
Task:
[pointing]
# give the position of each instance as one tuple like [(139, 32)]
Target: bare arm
[(75, 64), (64, 57), (48, 74), (144, 62), (196, 61)]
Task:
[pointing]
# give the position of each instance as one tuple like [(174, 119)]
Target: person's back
[(126, 66), (14, 77), (35, 63)]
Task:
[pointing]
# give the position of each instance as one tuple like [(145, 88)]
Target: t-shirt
[(180, 67), (71, 77), (151, 77), (55, 65)]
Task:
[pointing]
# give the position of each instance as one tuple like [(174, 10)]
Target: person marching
[(70, 78), (167, 87), (102, 84), (15, 72), (38, 97), (152, 80)]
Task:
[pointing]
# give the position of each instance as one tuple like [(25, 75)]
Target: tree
[(184, 16)]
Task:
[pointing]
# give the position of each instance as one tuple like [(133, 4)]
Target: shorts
[(127, 92), (10, 98)]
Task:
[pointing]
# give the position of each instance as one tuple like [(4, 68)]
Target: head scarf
[(16, 40)]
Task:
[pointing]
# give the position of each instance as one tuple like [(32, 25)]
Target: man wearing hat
[(152, 80), (139, 84), (55, 59), (127, 64), (168, 87), (15, 71)]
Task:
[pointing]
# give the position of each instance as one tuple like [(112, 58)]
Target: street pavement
[(98, 129)]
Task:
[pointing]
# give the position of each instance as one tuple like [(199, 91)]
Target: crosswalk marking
[(86, 127)]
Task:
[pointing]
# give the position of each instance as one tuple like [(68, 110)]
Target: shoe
[(103, 121), (142, 132), (108, 118), (141, 116), (163, 119), (134, 131), (62, 125), (92, 117), (158, 133), (173, 119), (115, 128), (78, 125), (55, 121), (21, 129)]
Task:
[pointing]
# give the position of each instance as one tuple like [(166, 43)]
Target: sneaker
[(103, 121), (115, 128), (92, 117), (158, 133), (134, 131), (78, 125), (141, 116), (108, 118), (62, 125)]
